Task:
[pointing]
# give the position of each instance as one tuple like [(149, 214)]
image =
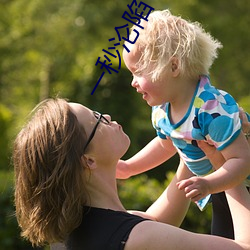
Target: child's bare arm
[(235, 170), (153, 154)]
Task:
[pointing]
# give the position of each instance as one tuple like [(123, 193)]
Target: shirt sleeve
[(159, 121), (219, 120)]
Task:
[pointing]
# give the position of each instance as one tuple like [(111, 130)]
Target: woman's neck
[(102, 189)]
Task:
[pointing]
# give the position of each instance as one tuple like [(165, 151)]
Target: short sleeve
[(219, 120), (162, 136), (159, 121)]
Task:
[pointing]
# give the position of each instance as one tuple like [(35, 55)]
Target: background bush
[(50, 48)]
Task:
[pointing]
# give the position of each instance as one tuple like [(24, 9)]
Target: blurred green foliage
[(50, 48), (139, 192), (9, 231)]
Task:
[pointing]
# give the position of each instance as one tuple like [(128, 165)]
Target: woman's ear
[(89, 161)]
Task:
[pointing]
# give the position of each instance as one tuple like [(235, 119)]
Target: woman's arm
[(160, 236), (171, 207), (239, 203)]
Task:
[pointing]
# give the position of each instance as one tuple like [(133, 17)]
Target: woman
[(65, 188)]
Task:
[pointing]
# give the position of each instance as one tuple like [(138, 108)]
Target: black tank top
[(102, 229)]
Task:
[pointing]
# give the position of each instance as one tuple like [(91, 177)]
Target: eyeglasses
[(100, 118)]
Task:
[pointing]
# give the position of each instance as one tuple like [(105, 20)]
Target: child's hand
[(122, 170), (194, 187)]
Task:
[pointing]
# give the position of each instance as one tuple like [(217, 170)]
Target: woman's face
[(109, 138)]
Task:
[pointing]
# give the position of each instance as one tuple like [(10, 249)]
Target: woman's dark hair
[(49, 180)]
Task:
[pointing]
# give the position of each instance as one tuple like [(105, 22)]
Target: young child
[(170, 63)]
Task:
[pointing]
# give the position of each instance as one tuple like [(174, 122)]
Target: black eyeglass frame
[(100, 118)]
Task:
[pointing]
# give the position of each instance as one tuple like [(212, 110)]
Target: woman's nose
[(108, 117)]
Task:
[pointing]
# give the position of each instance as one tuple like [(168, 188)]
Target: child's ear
[(175, 66)]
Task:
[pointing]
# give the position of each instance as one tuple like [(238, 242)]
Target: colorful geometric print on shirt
[(213, 115)]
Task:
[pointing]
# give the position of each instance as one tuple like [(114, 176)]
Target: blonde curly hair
[(49, 184), (166, 36)]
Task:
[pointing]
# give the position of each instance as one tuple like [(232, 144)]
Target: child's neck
[(181, 103)]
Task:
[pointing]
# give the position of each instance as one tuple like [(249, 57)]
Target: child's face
[(152, 92)]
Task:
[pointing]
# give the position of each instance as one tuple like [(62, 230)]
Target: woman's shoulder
[(155, 235), (110, 227)]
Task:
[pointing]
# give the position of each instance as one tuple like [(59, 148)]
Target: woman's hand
[(245, 124)]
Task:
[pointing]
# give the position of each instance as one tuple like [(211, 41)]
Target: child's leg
[(222, 224)]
